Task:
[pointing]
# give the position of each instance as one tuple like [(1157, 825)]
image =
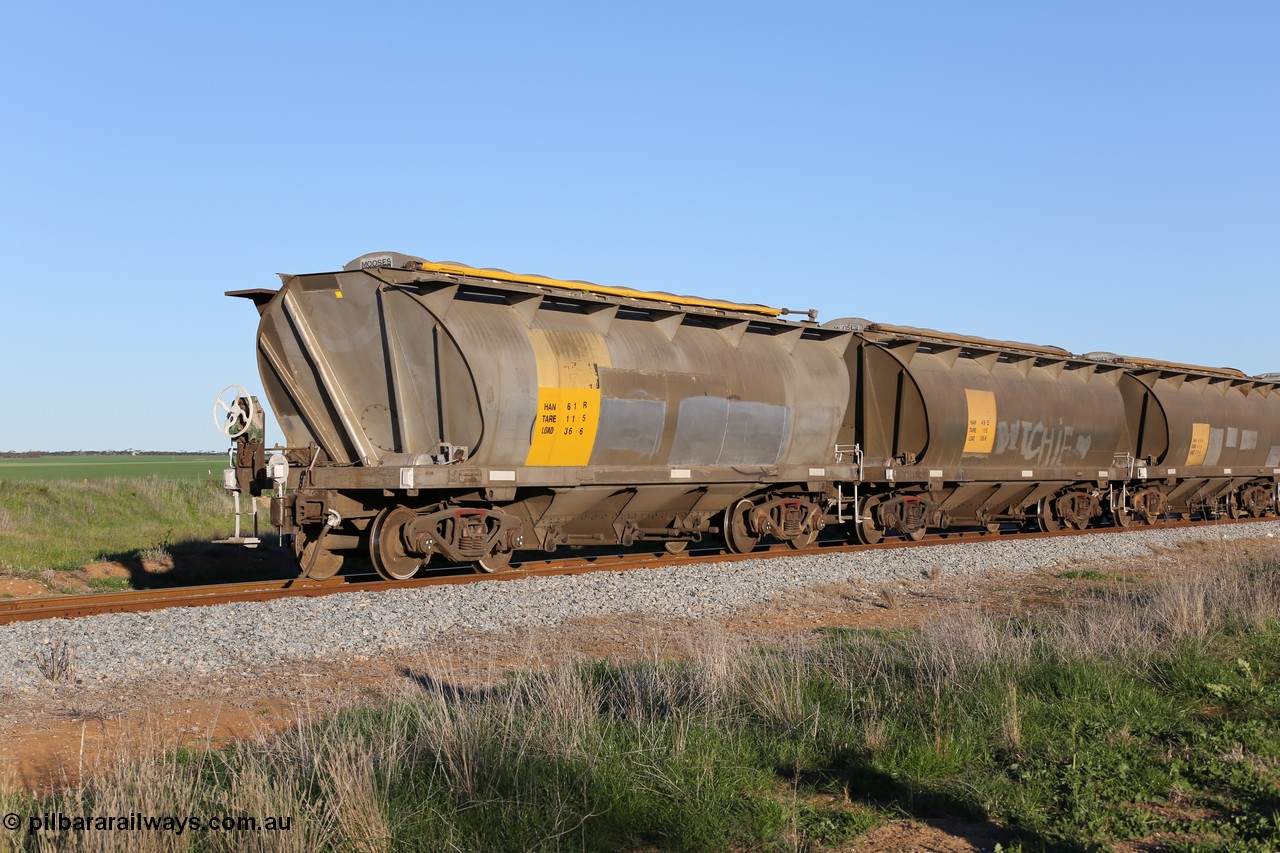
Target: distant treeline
[(35, 454)]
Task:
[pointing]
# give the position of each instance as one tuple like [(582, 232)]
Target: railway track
[(136, 601)]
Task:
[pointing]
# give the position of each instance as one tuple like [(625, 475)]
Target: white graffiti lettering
[(1044, 445)]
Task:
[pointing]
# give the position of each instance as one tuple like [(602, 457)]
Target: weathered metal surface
[(989, 407), (366, 366), (1191, 418)]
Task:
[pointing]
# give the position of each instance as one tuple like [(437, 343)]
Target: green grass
[(94, 467), (65, 525), (1081, 574), (109, 584), (1155, 712), (1094, 575)]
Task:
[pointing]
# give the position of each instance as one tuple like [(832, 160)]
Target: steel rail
[(136, 601)]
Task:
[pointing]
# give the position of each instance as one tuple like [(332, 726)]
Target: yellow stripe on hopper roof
[(625, 292)]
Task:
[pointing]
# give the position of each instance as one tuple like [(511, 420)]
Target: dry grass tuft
[(56, 661), (890, 596), (348, 774), (714, 670), (157, 557), (874, 734), (1011, 726), (773, 687)]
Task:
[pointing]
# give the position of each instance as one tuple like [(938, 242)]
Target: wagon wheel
[(494, 561), (993, 526), (1044, 516), (386, 546), (1234, 510), (738, 537), (917, 534), (1121, 517), (803, 541), (675, 546), (318, 563), (868, 531)]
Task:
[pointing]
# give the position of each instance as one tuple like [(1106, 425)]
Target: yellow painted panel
[(1199, 444), (568, 412), (981, 434), (564, 432)]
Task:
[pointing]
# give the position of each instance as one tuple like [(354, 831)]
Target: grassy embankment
[(1149, 712), (58, 514)]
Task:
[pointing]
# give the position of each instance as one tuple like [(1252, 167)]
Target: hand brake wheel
[(232, 416)]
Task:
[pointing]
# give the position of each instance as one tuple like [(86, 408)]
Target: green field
[(94, 467)]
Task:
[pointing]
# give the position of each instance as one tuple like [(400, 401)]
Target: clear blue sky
[(1095, 175)]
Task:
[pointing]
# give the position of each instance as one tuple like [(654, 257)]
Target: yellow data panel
[(1199, 444), (568, 413), (980, 436), (564, 432)]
